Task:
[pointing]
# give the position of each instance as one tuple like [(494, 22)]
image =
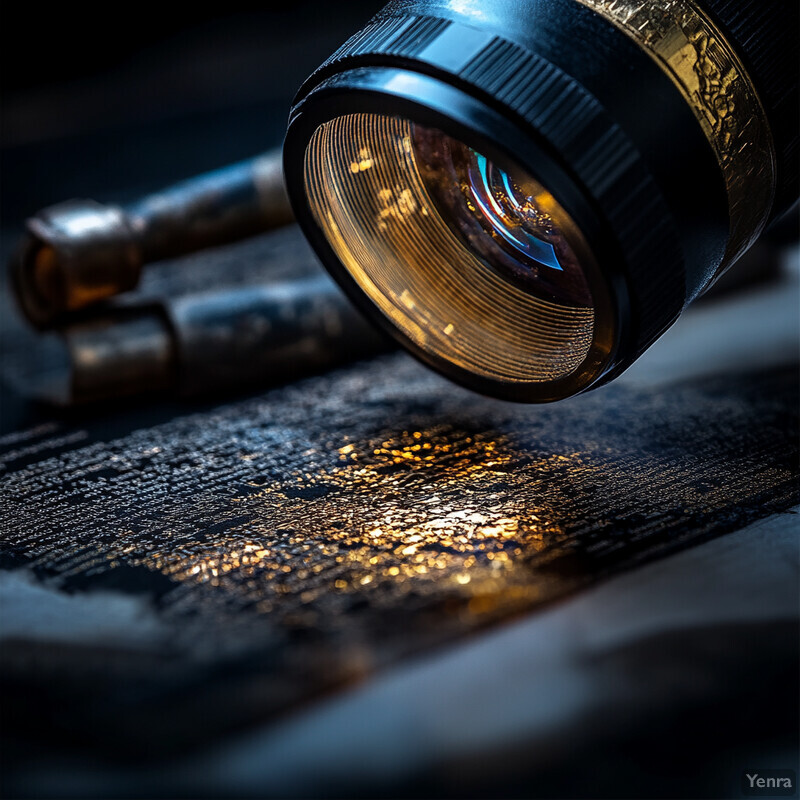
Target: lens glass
[(506, 216), (475, 262)]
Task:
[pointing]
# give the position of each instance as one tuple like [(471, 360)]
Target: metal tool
[(212, 342), (80, 252)]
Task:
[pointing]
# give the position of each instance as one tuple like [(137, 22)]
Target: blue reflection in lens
[(519, 238)]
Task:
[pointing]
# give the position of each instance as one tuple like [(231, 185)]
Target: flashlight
[(526, 195)]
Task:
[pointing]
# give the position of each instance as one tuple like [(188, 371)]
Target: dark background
[(120, 101)]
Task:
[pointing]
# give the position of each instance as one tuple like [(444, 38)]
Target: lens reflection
[(510, 214), (503, 216), (475, 263)]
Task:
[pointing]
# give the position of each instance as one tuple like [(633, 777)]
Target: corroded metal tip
[(81, 252), (73, 254)]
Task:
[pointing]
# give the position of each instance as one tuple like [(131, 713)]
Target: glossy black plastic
[(555, 87)]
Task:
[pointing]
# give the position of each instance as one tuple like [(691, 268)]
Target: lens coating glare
[(510, 214), (507, 218), (475, 264)]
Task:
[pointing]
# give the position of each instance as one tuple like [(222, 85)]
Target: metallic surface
[(74, 254), (80, 252), (213, 342), (112, 357), (695, 54)]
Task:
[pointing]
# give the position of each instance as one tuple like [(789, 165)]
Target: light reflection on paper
[(399, 518)]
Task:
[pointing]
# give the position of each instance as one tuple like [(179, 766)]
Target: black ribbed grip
[(588, 143)]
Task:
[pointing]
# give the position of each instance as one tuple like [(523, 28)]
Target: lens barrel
[(664, 134)]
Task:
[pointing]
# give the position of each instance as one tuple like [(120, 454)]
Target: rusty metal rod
[(80, 252), (208, 343)]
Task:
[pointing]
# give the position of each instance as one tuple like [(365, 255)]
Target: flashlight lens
[(475, 263)]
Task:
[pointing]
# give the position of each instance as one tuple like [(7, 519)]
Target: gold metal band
[(694, 53)]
